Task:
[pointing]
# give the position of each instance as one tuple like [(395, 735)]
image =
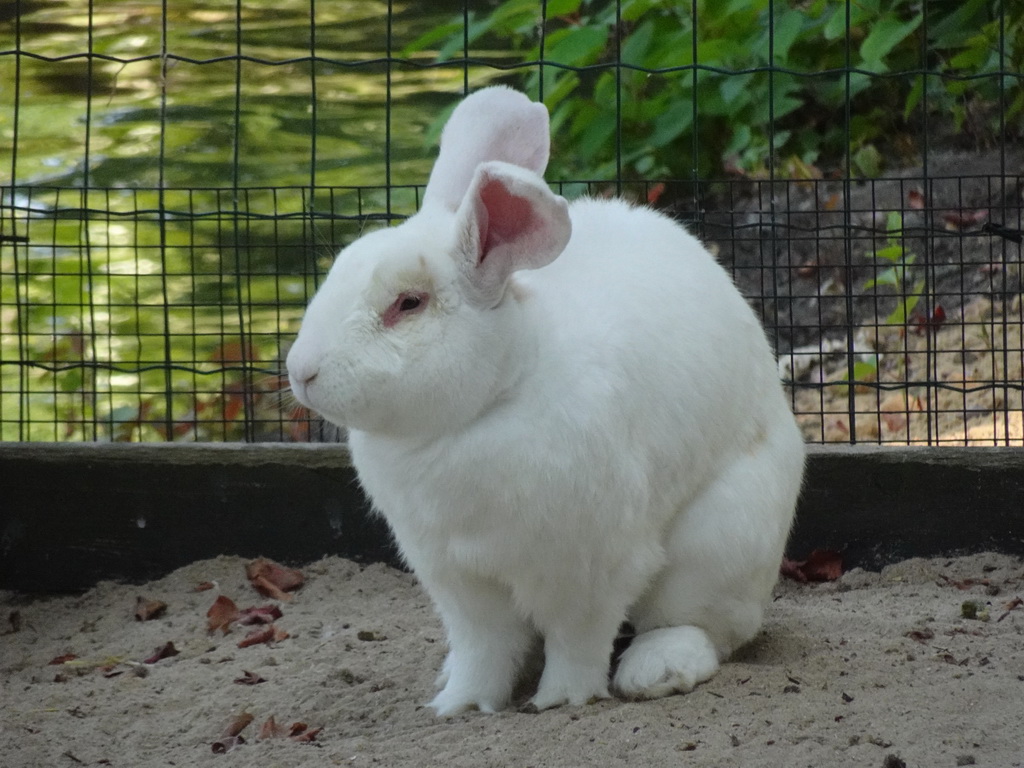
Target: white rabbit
[(567, 414)]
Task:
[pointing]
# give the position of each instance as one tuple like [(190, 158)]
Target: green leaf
[(581, 45), (914, 97), (885, 35), (868, 161), (636, 46), (894, 224), (835, 27), (787, 29), (558, 8), (597, 135), (456, 42), (736, 90), (432, 37), (866, 370), (887, 277), (635, 9), (671, 123)]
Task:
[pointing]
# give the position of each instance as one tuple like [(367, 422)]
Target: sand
[(870, 670)]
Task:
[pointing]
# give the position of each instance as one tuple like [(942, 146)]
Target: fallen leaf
[(920, 635), (915, 199), (163, 652), (1010, 606), (263, 614), (296, 731), (264, 634), (309, 735), (204, 586), (820, 565), (221, 614), (931, 323), (655, 192), (146, 609), (270, 729), (239, 723), (966, 583), (831, 203), (231, 735), (807, 269), (269, 589), (272, 579), (226, 744), (63, 659), (957, 221), (250, 678)]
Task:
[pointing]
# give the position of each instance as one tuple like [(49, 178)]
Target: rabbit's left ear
[(495, 123), (508, 220)]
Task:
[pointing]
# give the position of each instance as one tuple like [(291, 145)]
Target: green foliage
[(900, 274), (798, 107)]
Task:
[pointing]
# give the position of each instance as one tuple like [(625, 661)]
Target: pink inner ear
[(507, 217)]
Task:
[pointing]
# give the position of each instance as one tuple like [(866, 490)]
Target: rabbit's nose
[(301, 373), (302, 379)]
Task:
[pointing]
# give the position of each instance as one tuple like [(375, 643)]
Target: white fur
[(559, 444)]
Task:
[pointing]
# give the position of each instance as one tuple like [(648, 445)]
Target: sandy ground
[(871, 670), (980, 343)]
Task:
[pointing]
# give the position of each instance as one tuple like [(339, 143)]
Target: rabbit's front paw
[(665, 661), (573, 687), (465, 688), (453, 700)]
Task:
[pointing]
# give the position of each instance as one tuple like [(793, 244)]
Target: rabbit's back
[(636, 301)]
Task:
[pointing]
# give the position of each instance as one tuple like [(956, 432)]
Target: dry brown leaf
[(921, 635), (270, 729), (203, 586), (231, 737), (1010, 606), (146, 609), (304, 734), (263, 614), (263, 572), (64, 658), (226, 744), (250, 678), (820, 565), (957, 221), (221, 614), (238, 723), (165, 651), (296, 731), (268, 589), (268, 633)]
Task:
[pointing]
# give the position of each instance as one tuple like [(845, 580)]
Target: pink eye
[(407, 303)]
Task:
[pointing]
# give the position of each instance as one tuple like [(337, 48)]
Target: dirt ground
[(876, 669), (980, 345)]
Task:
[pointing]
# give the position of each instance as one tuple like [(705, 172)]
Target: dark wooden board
[(73, 514)]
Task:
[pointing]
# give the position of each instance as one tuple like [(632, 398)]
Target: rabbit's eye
[(406, 304)]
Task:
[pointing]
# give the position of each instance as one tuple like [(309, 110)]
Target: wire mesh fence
[(178, 180)]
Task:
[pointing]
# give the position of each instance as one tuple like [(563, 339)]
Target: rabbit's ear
[(508, 220), (495, 123)]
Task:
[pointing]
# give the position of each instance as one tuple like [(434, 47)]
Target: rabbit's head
[(414, 331)]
